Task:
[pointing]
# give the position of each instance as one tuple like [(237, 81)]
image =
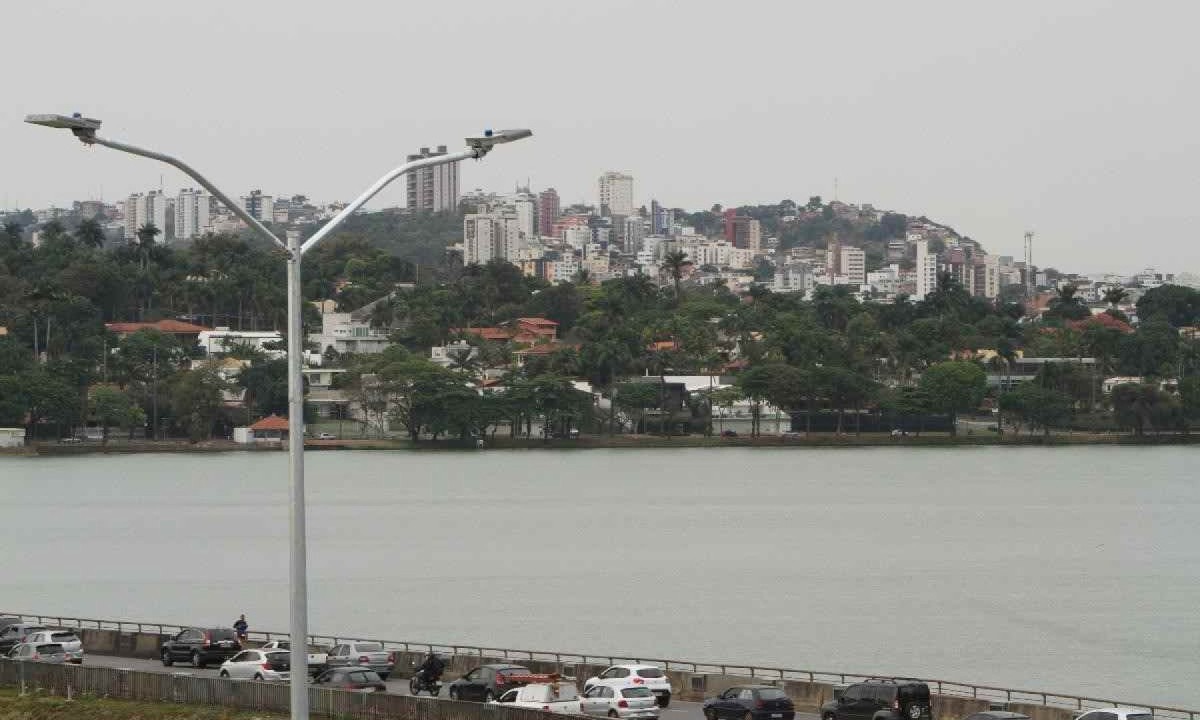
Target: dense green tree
[(110, 406), (1176, 304), (1037, 406), (195, 402), (953, 387)]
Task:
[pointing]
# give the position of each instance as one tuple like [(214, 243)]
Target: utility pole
[(154, 400), (1030, 276)]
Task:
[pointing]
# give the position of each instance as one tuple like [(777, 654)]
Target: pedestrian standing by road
[(241, 626)]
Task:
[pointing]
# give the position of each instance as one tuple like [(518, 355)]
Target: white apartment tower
[(525, 205), (854, 265), (434, 188), (491, 237), (927, 270), (191, 213), (258, 206), (616, 194), (147, 209)]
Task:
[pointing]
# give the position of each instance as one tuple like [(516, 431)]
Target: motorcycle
[(417, 683)]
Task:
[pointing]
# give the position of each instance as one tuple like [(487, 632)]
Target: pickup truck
[(316, 660), (557, 697)]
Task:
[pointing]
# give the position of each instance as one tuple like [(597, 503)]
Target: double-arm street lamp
[(85, 129)]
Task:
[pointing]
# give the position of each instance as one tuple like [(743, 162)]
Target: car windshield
[(636, 692), (513, 671), (650, 673), (368, 646), (279, 657), (1140, 716), (64, 637), (220, 634), (771, 694), (49, 648), (365, 676), (283, 645)]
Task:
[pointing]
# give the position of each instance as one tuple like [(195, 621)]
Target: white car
[(556, 697), (72, 646), (632, 701), (651, 676), (1116, 713), (316, 660), (261, 665)]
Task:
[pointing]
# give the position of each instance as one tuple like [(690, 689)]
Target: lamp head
[(491, 138), (83, 128)]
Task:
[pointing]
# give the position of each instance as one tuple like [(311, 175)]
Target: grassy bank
[(628, 441), (37, 706)]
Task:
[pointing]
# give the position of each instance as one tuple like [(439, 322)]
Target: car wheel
[(453, 694), (612, 713), (384, 676), (258, 677), (166, 658), (436, 691), (748, 716), (664, 701), (828, 716), (489, 696), (225, 674), (196, 661), (710, 714)]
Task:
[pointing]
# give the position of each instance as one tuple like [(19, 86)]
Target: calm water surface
[(1073, 570)]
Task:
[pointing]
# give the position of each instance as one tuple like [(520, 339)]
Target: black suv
[(201, 646), (881, 700)]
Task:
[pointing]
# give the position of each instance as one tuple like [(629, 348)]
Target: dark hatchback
[(486, 682), (750, 702), (351, 678), (881, 700), (200, 647)]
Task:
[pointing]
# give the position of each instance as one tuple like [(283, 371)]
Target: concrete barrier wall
[(946, 707), (1043, 712)]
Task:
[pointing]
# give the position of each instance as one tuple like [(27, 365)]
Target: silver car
[(71, 643), (52, 653), (363, 654), (633, 701), (262, 665)]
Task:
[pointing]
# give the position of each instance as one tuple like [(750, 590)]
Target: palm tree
[(145, 240), (583, 276), (89, 233), (673, 263), (1115, 295)]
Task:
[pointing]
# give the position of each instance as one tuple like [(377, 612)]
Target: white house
[(345, 334), (12, 437), (222, 340)]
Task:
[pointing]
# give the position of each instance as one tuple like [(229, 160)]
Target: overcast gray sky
[(1078, 120)]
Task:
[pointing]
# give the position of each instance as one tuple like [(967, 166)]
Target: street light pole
[(477, 147)]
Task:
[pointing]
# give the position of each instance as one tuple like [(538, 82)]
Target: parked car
[(262, 665), (750, 702), (39, 653), (1116, 713), (631, 701), (317, 660), (71, 643), (881, 700), (365, 654), (487, 682), (619, 676), (351, 678), (201, 646), (559, 697), (997, 715), (15, 634), (326, 436)]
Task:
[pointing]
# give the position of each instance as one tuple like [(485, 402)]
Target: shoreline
[(53, 449)]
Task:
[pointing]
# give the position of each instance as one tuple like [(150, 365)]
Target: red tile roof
[(271, 422), (537, 321), (1103, 319), (171, 327)]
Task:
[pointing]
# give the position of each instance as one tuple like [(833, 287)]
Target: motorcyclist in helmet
[(431, 669)]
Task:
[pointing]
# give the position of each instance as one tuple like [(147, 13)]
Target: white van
[(559, 697)]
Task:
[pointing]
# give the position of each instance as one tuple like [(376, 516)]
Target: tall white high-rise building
[(260, 207), (146, 209), (854, 265), (191, 213), (927, 270), (433, 188), (489, 237), (525, 206), (616, 194)]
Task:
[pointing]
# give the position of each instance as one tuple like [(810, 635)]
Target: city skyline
[(992, 120)]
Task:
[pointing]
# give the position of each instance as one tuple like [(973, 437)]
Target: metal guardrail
[(73, 681), (949, 688)]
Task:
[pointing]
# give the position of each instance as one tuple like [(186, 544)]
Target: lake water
[(1074, 570)]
